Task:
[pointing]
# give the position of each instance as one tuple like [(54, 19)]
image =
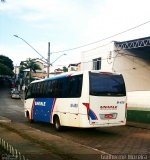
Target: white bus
[(78, 99)]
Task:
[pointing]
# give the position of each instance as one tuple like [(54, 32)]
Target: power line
[(114, 35), (97, 47), (114, 57), (122, 55)]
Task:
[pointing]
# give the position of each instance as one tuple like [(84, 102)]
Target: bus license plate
[(108, 116)]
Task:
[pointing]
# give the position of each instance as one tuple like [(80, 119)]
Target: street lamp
[(46, 60), (58, 58)]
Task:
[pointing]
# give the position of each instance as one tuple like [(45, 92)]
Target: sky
[(68, 24)]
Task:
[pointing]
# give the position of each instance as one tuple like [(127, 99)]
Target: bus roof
[(63, 75), (73, 73)]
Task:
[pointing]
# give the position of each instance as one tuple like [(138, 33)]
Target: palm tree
[(29, 64), (65, 69)]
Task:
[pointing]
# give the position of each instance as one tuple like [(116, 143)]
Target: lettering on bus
[(40, 103), (120, 102), (108, 107), (74, 105)]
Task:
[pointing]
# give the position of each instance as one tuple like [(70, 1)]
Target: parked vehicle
[(15, 94), (13, 90)]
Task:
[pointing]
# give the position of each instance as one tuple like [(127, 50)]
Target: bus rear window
[(106, 85)]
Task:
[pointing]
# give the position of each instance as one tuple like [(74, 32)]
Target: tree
[(4, 70), (6, 61), (6, 66), (29, 64), (65, 69)]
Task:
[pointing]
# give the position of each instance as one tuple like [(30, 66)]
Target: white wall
[(135, 71), (139, 100), (103, 52)]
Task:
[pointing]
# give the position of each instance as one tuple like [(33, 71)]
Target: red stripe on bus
[(32, 108), (87, 105), (53, 105)]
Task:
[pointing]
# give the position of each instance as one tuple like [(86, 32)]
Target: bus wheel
[(57, 124), (30, 120)]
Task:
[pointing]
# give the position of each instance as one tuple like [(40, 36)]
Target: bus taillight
[(87, 105), (126, 106)]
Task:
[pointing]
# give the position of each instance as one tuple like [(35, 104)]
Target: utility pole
[(48, 60)]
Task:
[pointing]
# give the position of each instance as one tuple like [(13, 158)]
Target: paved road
[(113, 140), (11, 108)]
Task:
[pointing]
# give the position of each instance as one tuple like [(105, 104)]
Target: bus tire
[(27, 115), (30, 120), (57, 124)]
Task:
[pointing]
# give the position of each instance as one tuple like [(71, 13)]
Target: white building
[(99, 58), (131, 58), (74, 67)]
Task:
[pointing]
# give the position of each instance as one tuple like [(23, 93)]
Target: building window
[(97, 64)]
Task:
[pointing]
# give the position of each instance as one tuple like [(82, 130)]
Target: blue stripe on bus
[(42, 109), (92, 115), (57, 77)]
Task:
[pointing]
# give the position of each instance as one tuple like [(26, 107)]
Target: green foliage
[(6, 66), (4, 70), (29, 64), (6, 61), (65, 69)]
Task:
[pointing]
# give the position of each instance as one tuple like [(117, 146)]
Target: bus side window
[(75, 86), (65, 91), (72, 87), (49, 89), (31, 90), (79, 86), (59, 88), (69, 84), (28, 93), (63, 88), (37, 90), (41, 91), (34, 90), (45, 89), (55, 88)]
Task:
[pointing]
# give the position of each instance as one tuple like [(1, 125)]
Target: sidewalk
[(138, 125), (35, 144)]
